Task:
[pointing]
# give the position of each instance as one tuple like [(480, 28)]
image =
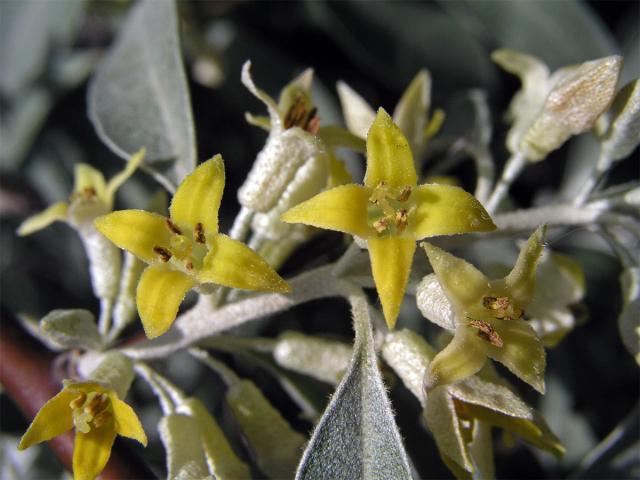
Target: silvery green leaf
[(221, 459), (276, 446), (434, 304), (357, 436), (185, 455), (323, 359), (408, 354), (113, 369), (139, 95), (629, 320), (71, 329), (623, 134), (32, 325)]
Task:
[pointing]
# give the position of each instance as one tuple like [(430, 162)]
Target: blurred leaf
[(139, 95), (185, 456), (560, 33), (392, 40), (357, 436), (275, 444), (71, 329), (28, 30), (629, 320), (617, 455)]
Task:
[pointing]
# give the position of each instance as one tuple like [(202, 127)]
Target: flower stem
[(512, 170)]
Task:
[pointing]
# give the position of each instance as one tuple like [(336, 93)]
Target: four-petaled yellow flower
[(391, 212), (186, 249), (97, 414), (489, 317)]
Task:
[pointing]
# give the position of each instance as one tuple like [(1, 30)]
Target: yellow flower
[(489, 318), (391, 212), (186, 249), (97, 414), (92, 196)]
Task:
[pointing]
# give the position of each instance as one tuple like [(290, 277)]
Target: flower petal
[(389, 157), (233, 264), (159, 295), (272, 107), (127, 423), (116, 182), (358, 115), (198, 197), (87, 177), (534, 431), (137, 231), (463, 284), (92, 450), (461, 358), (342, 208), (521, 281), (410, 113), (57, 211), (391, 260), (53, 419), (447, 210), (522, 351)]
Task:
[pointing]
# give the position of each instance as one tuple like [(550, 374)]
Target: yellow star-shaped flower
[(97, 414), (391, 211), (489, 317), (186, 249)]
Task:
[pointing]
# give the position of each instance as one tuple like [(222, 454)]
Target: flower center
[(486, 332), (299, 115), (389, 209), (185, 252), (90, 410), (502, 308)]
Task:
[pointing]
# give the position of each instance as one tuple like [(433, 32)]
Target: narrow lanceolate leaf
[(275, 444), (139, 95), (320, 358), (357, 436), (185, 455), (71, 329)]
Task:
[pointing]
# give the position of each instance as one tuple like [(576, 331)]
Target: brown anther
[(165, 254), (189, 265), (199, 233), (101, 418), (401, 220), (78, 401), (381, 225), (313, 125), (404, 194), (172, 226), (89, 192), (486, 332), (296, 114), (97, 404)]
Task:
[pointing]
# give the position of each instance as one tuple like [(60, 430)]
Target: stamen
[(97, 404), (404, 194), (503, 307), (381, 225), (78, 401), (165, 254), (401, 220), (172, 226), (101, 418), (189, 265), (486, 332), (199, 233)]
